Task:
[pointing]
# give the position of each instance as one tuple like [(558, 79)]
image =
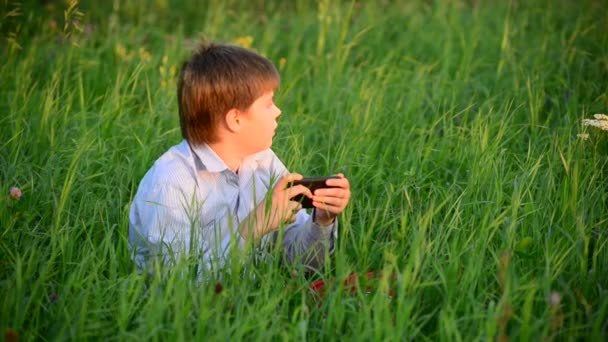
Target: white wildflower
[(555, 298), (601, 121), (600, 116)]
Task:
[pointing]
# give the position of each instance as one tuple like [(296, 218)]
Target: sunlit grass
[(458, 126)]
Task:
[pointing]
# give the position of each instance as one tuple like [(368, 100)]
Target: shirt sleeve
[(307, 242), (304, 241)]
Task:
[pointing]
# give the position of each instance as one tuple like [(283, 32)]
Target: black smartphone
[(312, 183)]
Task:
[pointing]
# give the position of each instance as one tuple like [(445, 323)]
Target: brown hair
[(216, 79)]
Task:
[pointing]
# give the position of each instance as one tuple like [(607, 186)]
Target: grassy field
[(457, 123)]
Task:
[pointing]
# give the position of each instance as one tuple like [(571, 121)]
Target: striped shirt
[(191, 202)]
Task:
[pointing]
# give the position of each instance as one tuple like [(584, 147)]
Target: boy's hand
[(283, 209), (330, 202)]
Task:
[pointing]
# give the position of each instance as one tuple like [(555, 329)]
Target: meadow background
[(458, 124)]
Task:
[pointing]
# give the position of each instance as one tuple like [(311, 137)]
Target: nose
[(277, 112)]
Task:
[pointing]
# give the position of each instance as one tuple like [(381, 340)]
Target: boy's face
[(260, 123)]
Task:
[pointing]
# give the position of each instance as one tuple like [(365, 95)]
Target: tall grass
[(455, 121)]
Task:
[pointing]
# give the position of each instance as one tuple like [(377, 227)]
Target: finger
[(333, 204), (333, 192), (335, 201), (287, 179), (338, 182), (332, 209), (298, 190), (294, 207), (289, 217)]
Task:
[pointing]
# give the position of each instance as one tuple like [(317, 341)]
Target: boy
[(222, 187)]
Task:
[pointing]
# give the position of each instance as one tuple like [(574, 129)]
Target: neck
[(231, 155)]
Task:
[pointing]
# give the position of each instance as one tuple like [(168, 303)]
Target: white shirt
[(191, 203)]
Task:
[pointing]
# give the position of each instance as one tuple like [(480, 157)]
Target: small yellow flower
[(172, 71), (162, 4), (245, 41), (163, 84), (123, 53), (165, 60), (282, 62), (144, 55), (583, 136), (162, 70), (120, 50)]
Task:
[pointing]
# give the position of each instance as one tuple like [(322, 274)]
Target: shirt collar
[(213, 163), (210, 160)]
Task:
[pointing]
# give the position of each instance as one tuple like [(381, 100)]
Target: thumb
[(287, 179)]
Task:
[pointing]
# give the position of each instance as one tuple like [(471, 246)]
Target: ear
[(233, 120)]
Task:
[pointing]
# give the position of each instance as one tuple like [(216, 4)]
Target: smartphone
[(312, 183)]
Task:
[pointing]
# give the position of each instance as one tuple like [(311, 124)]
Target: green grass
[(455, 121)]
